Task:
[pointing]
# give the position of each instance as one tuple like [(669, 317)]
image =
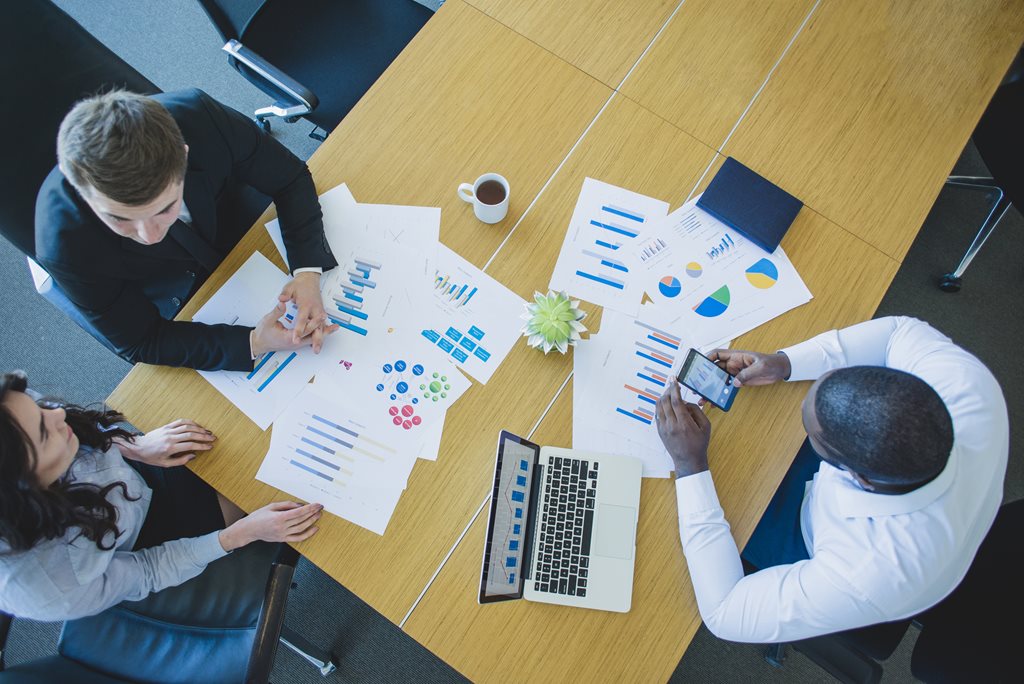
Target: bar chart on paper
[(655, 353), (320, 450), (597, 256), (269, 367), (619, 375), (473, 320), (348, 293), (277, 377)]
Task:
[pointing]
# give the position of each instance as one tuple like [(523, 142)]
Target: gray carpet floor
[(175, 46)]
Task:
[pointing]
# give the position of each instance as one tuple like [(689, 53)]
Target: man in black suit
[(134, 218)]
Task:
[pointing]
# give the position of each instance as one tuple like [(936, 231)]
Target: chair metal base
[(951, 282), (325, 662)]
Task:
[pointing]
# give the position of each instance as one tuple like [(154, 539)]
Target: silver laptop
[(561, 527)]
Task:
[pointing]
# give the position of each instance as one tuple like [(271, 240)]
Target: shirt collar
[(854, 502)]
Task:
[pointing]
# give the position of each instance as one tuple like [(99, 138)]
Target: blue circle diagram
[(417, 369), (399, 366)]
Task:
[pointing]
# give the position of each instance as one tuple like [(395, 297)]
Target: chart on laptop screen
[(508, 522)]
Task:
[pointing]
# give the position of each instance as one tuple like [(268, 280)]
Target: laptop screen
[(508, 543)]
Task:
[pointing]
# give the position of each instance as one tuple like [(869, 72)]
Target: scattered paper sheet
[(277, 377), (709, 280), (347, 222), (469, 317), (404, 390), (321, 451), (597, 258)]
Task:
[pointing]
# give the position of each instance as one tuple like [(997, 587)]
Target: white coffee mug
[(486, 208)]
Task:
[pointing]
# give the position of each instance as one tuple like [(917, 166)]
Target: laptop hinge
[(534, 514)]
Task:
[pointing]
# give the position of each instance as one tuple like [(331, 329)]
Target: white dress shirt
[(873, 557)]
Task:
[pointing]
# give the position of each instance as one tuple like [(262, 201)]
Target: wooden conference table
[(860, 109)]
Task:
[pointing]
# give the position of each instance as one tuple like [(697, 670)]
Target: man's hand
[(304, 291), (270, 335), (752, 368), (173, 444), (685, 431)]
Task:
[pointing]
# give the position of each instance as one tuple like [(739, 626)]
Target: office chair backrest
[(969, 636), (232, 17), (999, 135), (47, 63)]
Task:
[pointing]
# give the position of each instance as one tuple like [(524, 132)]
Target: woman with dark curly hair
[(92, 515)]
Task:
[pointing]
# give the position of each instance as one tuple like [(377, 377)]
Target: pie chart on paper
[(693, 269), (670, 286), (714, 304), (763, 274)]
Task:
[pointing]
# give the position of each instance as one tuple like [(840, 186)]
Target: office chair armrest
[(302, 96), (5, 629), (271, 620)]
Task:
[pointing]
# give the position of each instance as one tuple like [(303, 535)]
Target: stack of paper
[(410, 314), (669, 282)]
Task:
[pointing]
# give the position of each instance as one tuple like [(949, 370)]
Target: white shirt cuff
[(806, 360), (308, 269), (696, 495)]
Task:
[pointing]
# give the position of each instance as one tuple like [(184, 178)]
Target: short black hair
[(885, 423)]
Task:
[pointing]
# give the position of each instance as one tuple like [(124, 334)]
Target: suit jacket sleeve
[(132, 324), (262, 162)]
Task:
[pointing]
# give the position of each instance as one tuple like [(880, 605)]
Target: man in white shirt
[(913, 436)]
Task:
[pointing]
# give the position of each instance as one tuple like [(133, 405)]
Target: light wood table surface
[(711, 59), (604, 38), (872, 106), (493, 85)]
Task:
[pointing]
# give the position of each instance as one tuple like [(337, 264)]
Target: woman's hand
[(283, 521), (173, 444)]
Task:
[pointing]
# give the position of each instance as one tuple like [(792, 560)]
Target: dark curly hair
[(889, 425), (31, 513)]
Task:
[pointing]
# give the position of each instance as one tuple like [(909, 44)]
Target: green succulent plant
[(553, 322)]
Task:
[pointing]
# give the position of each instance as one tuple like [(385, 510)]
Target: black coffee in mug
[(491, 192)]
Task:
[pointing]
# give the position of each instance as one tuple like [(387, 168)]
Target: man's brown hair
[(123, 145)]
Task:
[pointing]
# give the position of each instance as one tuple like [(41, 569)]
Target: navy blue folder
[(752, 205)]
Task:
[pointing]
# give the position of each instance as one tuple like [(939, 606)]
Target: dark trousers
[(777, 539), (182, 505)]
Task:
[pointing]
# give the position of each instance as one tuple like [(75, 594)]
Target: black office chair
[(969, 636), (316, 58), (222, 626), (47, 63), (853, 656), (999, 137)]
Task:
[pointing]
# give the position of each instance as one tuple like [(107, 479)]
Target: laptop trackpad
[(613, 534)]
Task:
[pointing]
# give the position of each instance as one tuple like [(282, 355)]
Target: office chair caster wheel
[(949, 283), (264, 124)]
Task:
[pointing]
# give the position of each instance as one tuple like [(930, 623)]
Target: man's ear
[(186, 151), (864, 482)]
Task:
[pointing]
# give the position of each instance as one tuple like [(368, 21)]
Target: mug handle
[(465, 193)]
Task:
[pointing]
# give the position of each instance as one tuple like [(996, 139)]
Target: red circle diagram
[(407, 410), (393, 410), (407, 424), (416, 420)]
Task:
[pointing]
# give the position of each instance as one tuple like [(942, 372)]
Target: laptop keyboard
[(566, 524)]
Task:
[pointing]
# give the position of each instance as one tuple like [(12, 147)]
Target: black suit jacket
[(127, 290)]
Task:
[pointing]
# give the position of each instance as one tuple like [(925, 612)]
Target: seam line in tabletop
[(615, 91), (757, 94), (401, 625)]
